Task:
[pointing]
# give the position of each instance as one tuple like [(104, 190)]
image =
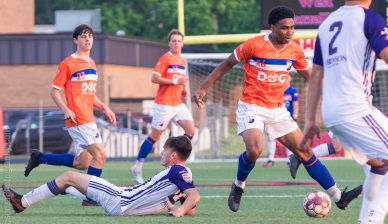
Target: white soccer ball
[(317, 204)]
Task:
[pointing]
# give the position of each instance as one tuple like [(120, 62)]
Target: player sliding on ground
[(267, 61), (156, 195)]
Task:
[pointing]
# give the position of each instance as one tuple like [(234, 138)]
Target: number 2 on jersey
[(336, 27)]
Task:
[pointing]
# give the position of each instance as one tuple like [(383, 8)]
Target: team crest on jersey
[(186, 177), (251, 120), (289, 64)]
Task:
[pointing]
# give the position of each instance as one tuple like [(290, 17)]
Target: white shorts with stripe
[(276, 122), (367, 135), (84, 135), (359, 157), (106, 194), (163, 114)]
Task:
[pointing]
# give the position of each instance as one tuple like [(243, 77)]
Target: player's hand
[(199, 98), (177, 212), (310, 130), (70, 115), (111, 116), (182, 80)]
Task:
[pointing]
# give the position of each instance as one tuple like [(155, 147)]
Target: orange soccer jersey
[(267, 69), (170, 66), (79, 79)]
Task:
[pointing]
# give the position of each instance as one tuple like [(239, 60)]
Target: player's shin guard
[(245, 166), (319, 172), (145, 149)]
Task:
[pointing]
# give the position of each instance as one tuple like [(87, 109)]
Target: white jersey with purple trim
[(348, 43), (156, 194)]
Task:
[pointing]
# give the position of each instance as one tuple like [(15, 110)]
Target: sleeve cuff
[(235, 55), (156, 73), (56, 87)]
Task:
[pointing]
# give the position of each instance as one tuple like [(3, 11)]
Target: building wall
[(17, 16)]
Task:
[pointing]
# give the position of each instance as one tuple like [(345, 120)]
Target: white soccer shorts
[(163, 114), (356, 155), (84, 135), (367, 135), (106, 194), (275, 122)]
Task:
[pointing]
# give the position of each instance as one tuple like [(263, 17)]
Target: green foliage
[(153, 19)]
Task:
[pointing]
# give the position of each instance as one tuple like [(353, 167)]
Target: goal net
[(216, 123)]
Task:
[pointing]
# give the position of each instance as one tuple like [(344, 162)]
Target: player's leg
[(271, 148), (253, 143), (145, 149), (317, 170), (51, 189), (372, 185), (37, 158), (250, 126), (160, 120), (319, 151), (184, 119)]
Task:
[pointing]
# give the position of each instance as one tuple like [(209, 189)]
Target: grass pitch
[(270, 197)]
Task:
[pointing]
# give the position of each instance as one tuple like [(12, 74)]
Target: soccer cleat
[(137, 175), (348, 196), (14, 198), (87, 203), (268, 163), (294, 165), (32, 162), (235, 197)]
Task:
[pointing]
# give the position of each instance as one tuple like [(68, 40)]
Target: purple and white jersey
[(348, 43), (155, 194)]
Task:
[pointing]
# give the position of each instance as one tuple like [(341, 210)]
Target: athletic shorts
[(163, 114), (276, 122), (356, 155), (106, 194), (83, 136), (367, 135)]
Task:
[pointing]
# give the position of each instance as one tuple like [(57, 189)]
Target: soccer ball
[(317, 204)]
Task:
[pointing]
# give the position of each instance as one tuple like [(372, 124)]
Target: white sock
[(38, 194), (73, 191), (370, 190), (239, 183), (321, 150), (334, 192), (379, 207), (271, 147), (138, 165)]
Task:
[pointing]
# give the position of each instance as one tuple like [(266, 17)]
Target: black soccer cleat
[(294, 165), (14, 198), (348, 196), (88, 203), (32, 162), (235, 197)]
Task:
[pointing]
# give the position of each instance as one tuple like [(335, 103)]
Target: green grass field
[(263, 203)]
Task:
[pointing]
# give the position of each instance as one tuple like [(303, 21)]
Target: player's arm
[(108, 112), (313, 94), (188, 207), (56, 96), (306, 74), (164, 81), (217, 73)]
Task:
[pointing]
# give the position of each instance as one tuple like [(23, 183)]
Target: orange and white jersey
[(78, 78), (267, 69), (170, 66)]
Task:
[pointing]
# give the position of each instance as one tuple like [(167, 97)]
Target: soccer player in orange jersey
[(77, 75), (267, 61), (170, 74)]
